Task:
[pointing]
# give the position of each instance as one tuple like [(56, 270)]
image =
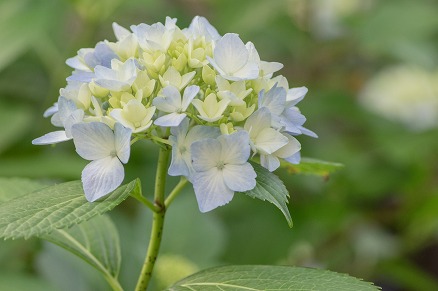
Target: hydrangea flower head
[(210, 98)]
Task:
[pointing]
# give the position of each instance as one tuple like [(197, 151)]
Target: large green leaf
[(96, 242), (270, 278), (269, 187), (309, 166), (11, 188), (59, 206)]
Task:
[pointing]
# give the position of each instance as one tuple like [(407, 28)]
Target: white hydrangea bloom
[(119, 78), (221, 168), (210, 98), (233, 60), (107, 151), (134, 115), (181, 140), (172, 103), (66, 116)]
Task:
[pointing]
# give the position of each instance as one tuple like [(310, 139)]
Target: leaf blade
[(309, 166), (95, 241), (11, 188), (270, 188), (270, 278), (54, 207)]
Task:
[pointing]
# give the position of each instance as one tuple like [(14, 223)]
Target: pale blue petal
[(178, 167), (269, 162), (210, 190), (307, 132), (181, 130), (171, 100), (189, 93), (122, 142), (239, 178), (80, 76), (93, 140), (199, 132), (295, 95), (274, 99), (294, 159), (206, 154), (101, 177), (75, 117), (51, 110), (170, 120), (51, 138), (112, 85), (235, 148)]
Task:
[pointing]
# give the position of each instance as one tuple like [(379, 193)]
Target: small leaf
[(270, 278), (95, 241), (11, 188), (269, 187), (58, 206), (310, 166)]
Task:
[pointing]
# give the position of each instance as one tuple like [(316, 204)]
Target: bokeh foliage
[(375, 219)]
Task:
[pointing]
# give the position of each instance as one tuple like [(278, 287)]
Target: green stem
[(175, 191), (157, 223)]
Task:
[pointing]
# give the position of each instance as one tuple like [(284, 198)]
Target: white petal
[(269, 162), (122, 142), (120, 32), (292, 147), (269, 140), (112, 85), (189, 93), (239, 178), (235, 148), (248, 72), (171, 101), (199, 132), (206, 154), (295, 95), (210, 190), (171, 120), (230, 54), (51, 138), (74, 118), (258, 121), (93, 140), (102, 176)]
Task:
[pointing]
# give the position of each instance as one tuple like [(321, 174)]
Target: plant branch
[(158, 221), (175, 191)]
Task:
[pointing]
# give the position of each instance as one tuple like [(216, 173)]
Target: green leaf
[(309, 166), (58, 206), (96, 242), (269, 187), (270, 278), (11, 188)]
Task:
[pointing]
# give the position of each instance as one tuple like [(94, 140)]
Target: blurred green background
[(371, 69)]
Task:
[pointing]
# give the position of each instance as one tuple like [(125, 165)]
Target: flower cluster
[(209, 97)]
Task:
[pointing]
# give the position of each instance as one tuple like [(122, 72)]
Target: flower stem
[(157, 223), (175, 191)]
